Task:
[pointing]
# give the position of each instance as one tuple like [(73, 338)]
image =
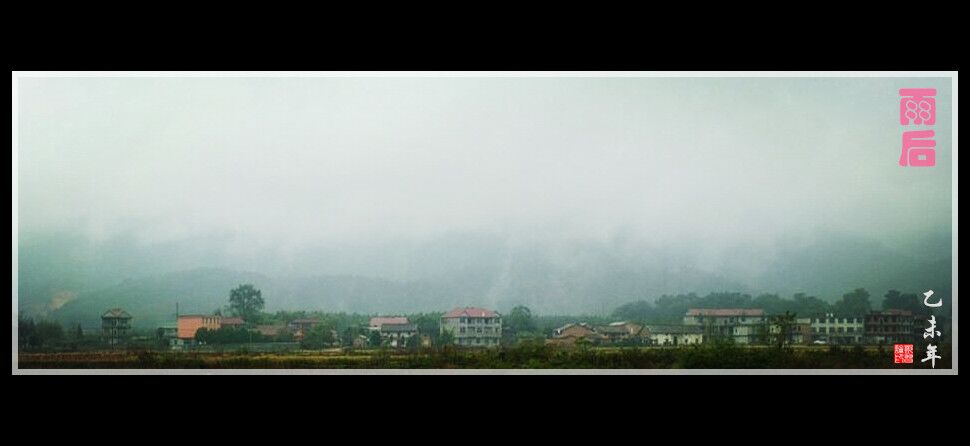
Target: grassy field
[(528, 356)]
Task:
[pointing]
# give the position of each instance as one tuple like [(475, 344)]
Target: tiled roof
[(725, 312), (117, 312), (384, 320), (612, 329), (269, 330), (581, 324), (470, 312), (305, 321), (398, 328), (674, 329), (893, 312)]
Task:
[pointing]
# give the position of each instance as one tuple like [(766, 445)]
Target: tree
[(202, 335), (809, 305), (898, 301), (38, 334), (246, 301), (855, 303), (320, 336), (413, 342), (519, 321), (78, 333), (348, 335), (25, 329), (44, 333), (784, 322), (640, 310), (446, 338), (771, 303), (374, 339)]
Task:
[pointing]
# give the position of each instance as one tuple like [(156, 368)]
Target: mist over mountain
[(561, 277), (569, 194)]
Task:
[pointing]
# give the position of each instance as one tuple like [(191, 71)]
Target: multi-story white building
[(838, 330), (472, 326), (395, 331), (673, 334), (743, 325)]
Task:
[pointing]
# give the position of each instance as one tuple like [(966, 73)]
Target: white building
[(838, 330), (743, 325), (673, 334), (473, 327)]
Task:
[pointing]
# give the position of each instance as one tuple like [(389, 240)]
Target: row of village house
[(750, 326), (469, 326), (472, 326)]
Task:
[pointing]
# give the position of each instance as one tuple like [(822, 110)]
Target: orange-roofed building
[(191, 323)]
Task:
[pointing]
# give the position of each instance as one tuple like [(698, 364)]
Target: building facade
[(891, 327), (473, 327), (115, 325), (620, 331), (673, 335), (842, 330), (742, 325), (397, 335), (189, 324), (569, 334), (376, 322), (394, 330)]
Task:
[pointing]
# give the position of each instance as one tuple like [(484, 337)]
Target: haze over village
[(392, 196)]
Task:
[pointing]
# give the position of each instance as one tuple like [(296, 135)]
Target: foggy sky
[(286, 163)]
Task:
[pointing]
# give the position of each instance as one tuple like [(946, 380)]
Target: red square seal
[(903, 353)]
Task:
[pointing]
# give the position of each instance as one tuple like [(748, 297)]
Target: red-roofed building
[(188, 324), (473, 326), (470, 312), (743, 325)]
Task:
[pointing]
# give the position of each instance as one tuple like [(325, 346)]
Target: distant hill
[(77, 282), (151, 300)]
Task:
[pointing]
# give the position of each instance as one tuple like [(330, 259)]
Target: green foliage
[(427, 323), (908, 301), (246, 301), (785, 323), (40, 334), (320, 336), (413, 342), (808, 305), (640, 310), (671, 309), (374, 339), (349, 334), (447, 338), (520, 320), (854, 303), (229, 336)]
